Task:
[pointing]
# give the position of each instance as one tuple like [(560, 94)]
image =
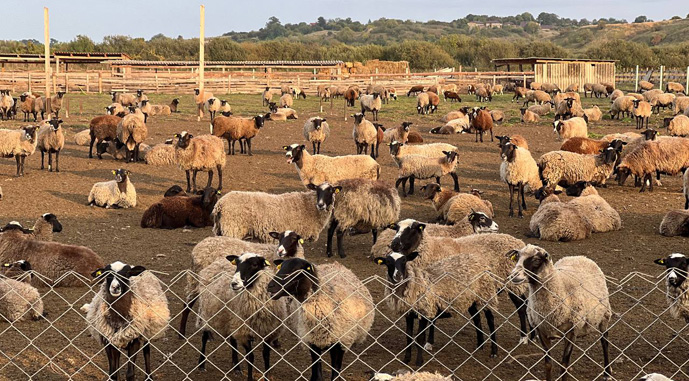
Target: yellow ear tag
[(301, 241), (420, 227), (284, 147), (380, 261), (279, 266), (98, 273), (308, 268), (234, 262), (514, 257), (337, 190), (114, 172), (267, 263), (6, 265), (661, 261)]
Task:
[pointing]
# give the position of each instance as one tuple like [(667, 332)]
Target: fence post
[(88, 84), (661, 77), (66, 82), (29, 82), (54, 82), (100, 82), (686, 89), (493, 80), (157, 86), (636, 82), (345, 110), (229, 83)]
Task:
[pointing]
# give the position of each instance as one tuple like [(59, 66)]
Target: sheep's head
[(249, 265), (61, 94), (113, 96), (259, 120), (530, 261), (430, 190), (139, 93), (209, 197), (144, 102), (55, 124), (543, 192), (395, 147), (623, 172), (19, 270), (376, 95), (482, 223), (23, 97), (509, 152), (52, 220), (636, 102), (294, 152), (405, 126), (121, 175), (451, 156), (578, 187), (650, 134), (609, 155), (132, 109), (289, 243), (183, 139), (502, 140), (325, 195), (317, 123), (557, 126), (617, 144), (396, 264), (197, 91), (116, 277), (569, 102), (174, 191), (675, 267), (408, 237), (110, 110), (30, 133), (175, 101), (211, 101), (295, 277), (358, 117), (522, 110)]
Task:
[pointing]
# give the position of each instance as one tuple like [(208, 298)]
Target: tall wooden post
[(636, 80), (46, 38), (686, 89), (662, 68), (201, 52)]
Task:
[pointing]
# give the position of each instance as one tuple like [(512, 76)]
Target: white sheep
[(18, 144), (518, 169), (413, 167), (316, 130), (317, 169), (371, 102), (20, 301), (365, 134), (118, 193)]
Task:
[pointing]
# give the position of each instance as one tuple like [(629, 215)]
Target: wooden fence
[(629, 76)]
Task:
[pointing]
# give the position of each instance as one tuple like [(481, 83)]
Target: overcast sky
[(146, 18)]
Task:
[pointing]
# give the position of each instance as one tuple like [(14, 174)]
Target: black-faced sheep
[(670, 156), (413, 167), (372, 103), (365, 134), (51, 139), (316, 130), (132, 131), (317, 169), (519, 170), (481, 122), (566, 168), (202, 153), (237, 129), (118, 193)]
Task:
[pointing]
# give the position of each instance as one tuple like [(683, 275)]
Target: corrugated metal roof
[(92, 54), (224, 63), (530, 60)]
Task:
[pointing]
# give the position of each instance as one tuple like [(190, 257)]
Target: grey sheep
[(413, 167), (371, 102), (675, 223), (518, 170), (399, 150), (18, 144), (317, 169)]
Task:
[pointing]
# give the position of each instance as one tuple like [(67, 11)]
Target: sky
[(146, 18)]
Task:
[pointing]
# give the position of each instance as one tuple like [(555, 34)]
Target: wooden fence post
[(88, 84), (636, 80), (100, 82), (66, 82), (661, 77), (229, 84), (54, 76), (29, 82), (345, 110), (67, 108), (157, 86)]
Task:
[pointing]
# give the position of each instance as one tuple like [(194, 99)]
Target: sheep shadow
[(77, 198)]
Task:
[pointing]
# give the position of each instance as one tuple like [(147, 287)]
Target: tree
[(627, 53), (548, 18), (224, 49), (640, 19), (532, 27), (273, 29), (322, 23)]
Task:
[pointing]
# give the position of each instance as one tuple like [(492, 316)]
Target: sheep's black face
[(396, 264), (557, 126), (317, 123), (139, 93), (55, 123), (259, 120), (30, 133), (114, 96), (294, 152), (248, 267), (121, 175), (273, 107), (570, 102), (406, 125), (636, 103), (294, 277), (430, 190), (325, 195), (22, 97), (144, 102), (451, 156), (481, 223), (376, 95), (508, 152), (675, 268), (132, 109), (183, 139), (650, 134), (16, 270), (116, 276), (408, 237), (52, 219), (576, 189), (196, 91), (609, 155), (175, 101), (358, 117), (175, 190), (209, 197), (617, 145), (288, 243), (529, 262), (110, 110), (623, 173), (211, 101), (502, 140), (60, 94)]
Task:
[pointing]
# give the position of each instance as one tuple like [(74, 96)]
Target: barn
[(562, 71)]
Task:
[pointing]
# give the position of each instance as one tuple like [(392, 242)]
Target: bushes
[(627, 53)]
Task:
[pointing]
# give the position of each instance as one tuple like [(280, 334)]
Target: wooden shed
[(563, 71)]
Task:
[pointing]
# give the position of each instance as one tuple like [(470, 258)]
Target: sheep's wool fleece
[(317, 169), (204, 153), (597, 212), (341, 310), (675, 222), (678, 299), (148, 315), (13, 142), (161, 154), (107, 194), (421, 376), (572, 291), (246, 314), (82, 138), (459, 206), (366, 204), (558, 221), (572, 167), (428, 150), (423, 167), (523, 169), (19, 301)]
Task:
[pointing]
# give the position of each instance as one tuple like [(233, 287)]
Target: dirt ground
[(642, 335)]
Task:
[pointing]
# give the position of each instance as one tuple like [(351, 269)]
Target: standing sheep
[(316, 130), (317, 169), (422, 103), (372, 103), (18, 144), (481, 121), (202, 153), (670, 156), (51, 139), (622, 105), (118, 193), (422, 167), (267, 96), (286, 101), (674, 87), (518, 169), (237, 129), (678, 126), (364, 134), (566, 168), (132, 131), (102, 128), (212, 105), (200, 98), (641, 112)]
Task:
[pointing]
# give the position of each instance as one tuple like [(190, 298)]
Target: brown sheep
[(202, 153), (351, 95), (180, 211), (235, 128), (588, 146), (481, 121), (519, 92), (452, 96), (103, 128), (416, 89)]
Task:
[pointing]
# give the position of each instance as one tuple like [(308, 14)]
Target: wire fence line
[(644, 337)]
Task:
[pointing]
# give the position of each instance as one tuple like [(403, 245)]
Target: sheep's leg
[(511, 190), (219, 177), (188, 305), (520, 304), (373, 151), (314, 148), (331, 231), (646, 178), (456, 180), (340, 243), (57, 161), (420, 339), (411, 184), (231, 147), (50, 160), (545, 342), (319, 148), (409, 320), (374, 233), (248, 147), (235, 356), (520, 193), (202, 357), (437, 180), (336, 357), (606, 358), (316, 368), (476, 319), (93, 140), (132, 351), (569, 346), (493, 336), (113, 361), (266, 358), (250, 357), (17, 157), (188, 182), (42, 159), (476, 141), (193, 181), (147, 359)]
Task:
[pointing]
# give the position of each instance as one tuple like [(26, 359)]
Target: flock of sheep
[(254, 282)]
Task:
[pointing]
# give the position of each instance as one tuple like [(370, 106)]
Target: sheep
[(118, 193), (286, 100), (422, 103), (497, 115), (422, 167), (662, 100), (452, 206), (675, 286), (51, 139), (399, 150), (20, 270), (316, 131), (212, 105), (678, 126), (567, 108), (556, 220), (280, 113), (574, 88), (641, 111), (350, 96), (588, 146), (674, 87), (452, 96), (317, 169), (609, 87), (364, 134), (569, 296), (416, 89), (414, 137), (298, 92), (535, 86), (161, 155), (515, 139), (7, 104), (160, 110), (685, 182), (39, 107), (537, 96), (498, 89), (654, 377), (132, 131), (174, 103), (649, 95), (59, 265), (550, 88), (483, 95), (336, 310), (598, 90), (202, 153), (392, 93), (622, 105), (453, 126), (675, 223), (680, 105), (410, 376), (372, 103), (27, 106), (472, 223), (42, 230), (616, 94), (596, 211), (626, 137), (1, 194), (322, 91), (399, 133), (102, 128), (574, 127), (116, 109), (528, 116), (519, 92), (518, 169), (20, 301), (670, 156), (645, 86), (285, 89), (181, 211), (129, 310), (359, 205), (20, 144), (237, 129), (562, 167), (433, 102), (593, 114), (200, 98), (481, 121), (542, 109), (125, 99), (140, 96)]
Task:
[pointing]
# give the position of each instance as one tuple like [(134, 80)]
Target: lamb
[(678, 126), (200, 99), (161, 155), (569, 296), (298, 92), (286, 100), (675, 223), (399, 133), (481, 121), (399, 150), (562, 167), (118, 193), (588, 146), (240, 308), (20, 144), (174, 103), (645, 85), (575, 127), (622, 105), (20, 301), (317, 169), (453, 207), (202, 153), (132, 131), (125, 99), (674, 87), (281, 113), (364, 134), (422, 103), (529, 116), (537, 96), (336, 310), (237, 129), (59, 265), (358, 205), (51, 139), (212, 105), (594, 114), (242, 215), (542, 109), (422, 167), (102, 128), (129, 310), (670, 156), (515, 139), (181, 211), (392, 93), (316, 131), (519, 170)]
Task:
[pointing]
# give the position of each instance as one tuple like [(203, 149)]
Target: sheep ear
[(311, 187), (114, 172), (379, 260), (660, 261), (232, 259), (97, 273), (275, 235), (513, 255), (136, 270), (413, 255)]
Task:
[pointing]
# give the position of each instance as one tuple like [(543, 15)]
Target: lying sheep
[(160, 110), (202, 153), (82, 138), (645, 86), (678, 126), (336, 315), (399, 133), (20, 301), (570, 296), (118, 193), (575, 127), (675, 223), (280, 114), (453, 207), (181, 211), (567, 168), (237, 129), (42, 230), (316, 131), (588, 146), (413, 167), (670, 156), (161, 154), (596, 211), (680, 105), (134, 293), (529, 116), (542, 109), (454, 126), (317, 169), (51, 139), (518, 169), (18, 144), (102, 128)]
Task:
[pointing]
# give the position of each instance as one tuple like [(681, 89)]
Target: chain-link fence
[(644, 337)]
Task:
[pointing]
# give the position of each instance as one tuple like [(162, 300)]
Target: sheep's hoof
[(329, 255), (238, 372), (524, 340), (343, 255), (493, 355), (428, 347), (521, 215)]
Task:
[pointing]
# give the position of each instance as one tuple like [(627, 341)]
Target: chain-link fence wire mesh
[(644, 336)]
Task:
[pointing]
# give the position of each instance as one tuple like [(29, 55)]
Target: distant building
[(486, 24)]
